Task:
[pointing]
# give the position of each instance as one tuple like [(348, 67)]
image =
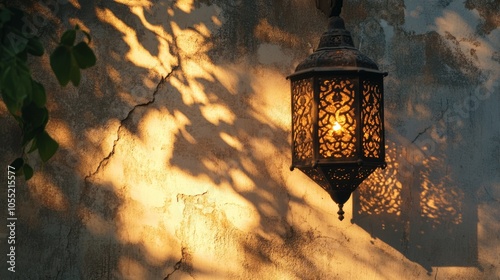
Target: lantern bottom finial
[(341, 211), (340, 197)]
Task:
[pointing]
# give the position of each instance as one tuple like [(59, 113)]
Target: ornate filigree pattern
[(337, 57), (317, 176), (329, 40), (348, 177), (371, 117), (302, 103), (336, 109), (345, 178)]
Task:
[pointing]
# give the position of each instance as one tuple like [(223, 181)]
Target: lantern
[(337, 114)]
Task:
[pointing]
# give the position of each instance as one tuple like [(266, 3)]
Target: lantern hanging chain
[(336, 8)]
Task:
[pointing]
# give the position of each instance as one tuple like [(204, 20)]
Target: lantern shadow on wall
[(337, 114), (417, 210)]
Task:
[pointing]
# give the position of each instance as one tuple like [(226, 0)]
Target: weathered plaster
[(174, 151)]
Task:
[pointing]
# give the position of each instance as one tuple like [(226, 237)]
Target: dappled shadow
[(175, 148), (423, 204), (167, 101)]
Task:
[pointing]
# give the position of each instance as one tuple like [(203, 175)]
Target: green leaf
[(35, 47), (13, 106), (15, 83), (84, 55), (34, 115), (47, 146), (39, 97), (68, 37), (60, 62), (28, 172), (34, 120), (17, 164)]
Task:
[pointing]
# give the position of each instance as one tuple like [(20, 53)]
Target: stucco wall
[(174, 151)]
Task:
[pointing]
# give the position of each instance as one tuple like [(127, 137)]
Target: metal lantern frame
[(337, 114)]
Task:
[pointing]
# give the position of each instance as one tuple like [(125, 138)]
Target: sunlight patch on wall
[(268, 85), (231, 141), (153, 197), (143, 3), (150, 213), (193, 91), (62, 133), (75, 3), (185, 5), (230, 76), (137, 53), (149, 228), (217, 113)]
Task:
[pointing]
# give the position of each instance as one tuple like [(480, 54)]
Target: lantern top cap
[(336, 50)]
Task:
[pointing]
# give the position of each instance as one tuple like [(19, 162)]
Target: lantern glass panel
[(372, 120), (302, 120), (337, 118)]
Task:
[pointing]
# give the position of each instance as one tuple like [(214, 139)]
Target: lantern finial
[(341, 211)]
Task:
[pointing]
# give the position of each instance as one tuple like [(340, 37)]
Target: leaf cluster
[(26, 98)]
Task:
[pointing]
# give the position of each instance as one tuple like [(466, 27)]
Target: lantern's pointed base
[(340, 197), (341, 211)]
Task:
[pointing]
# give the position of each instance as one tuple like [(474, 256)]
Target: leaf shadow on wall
[(231, 153), (229, 138), (94, 218)]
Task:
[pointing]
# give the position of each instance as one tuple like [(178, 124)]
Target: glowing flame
[(335, 130), (336, 127)]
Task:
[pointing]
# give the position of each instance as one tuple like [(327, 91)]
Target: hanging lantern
[(337, 114)]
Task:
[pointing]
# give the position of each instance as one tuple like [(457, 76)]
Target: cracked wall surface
[(175, 149)]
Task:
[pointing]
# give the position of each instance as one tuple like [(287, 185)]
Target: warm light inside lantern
[(336, 127), (335, 130), (337, 114)]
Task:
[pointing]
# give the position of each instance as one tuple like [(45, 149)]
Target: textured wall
[(175, 150)]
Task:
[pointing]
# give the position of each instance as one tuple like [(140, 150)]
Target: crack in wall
[(183, 196), (105, 160), (183, 262), (76, 226), (420, 134)]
